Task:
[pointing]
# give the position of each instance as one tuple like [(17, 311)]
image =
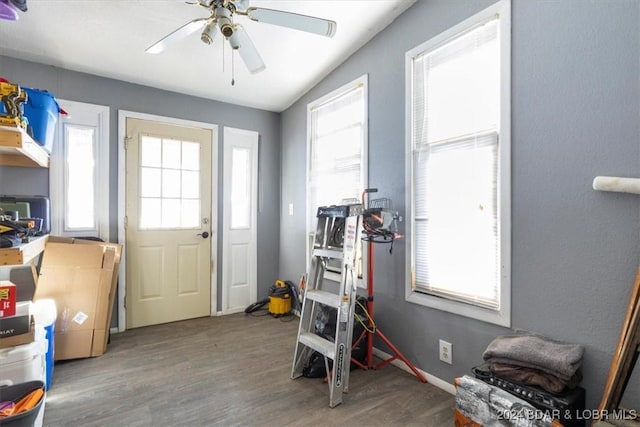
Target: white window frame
[(503, 315), (85, 115), (364, 167)]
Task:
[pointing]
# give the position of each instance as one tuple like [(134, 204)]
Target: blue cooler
[(42, 110), (48, 358)]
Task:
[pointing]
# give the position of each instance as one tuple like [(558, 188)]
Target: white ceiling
[(109, 37)]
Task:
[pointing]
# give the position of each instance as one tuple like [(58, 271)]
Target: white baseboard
[(232, 311), (431, 379)]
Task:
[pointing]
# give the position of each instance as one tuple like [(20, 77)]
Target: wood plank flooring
[(227, 371)]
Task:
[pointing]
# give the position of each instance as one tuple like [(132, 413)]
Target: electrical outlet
[(446, 353), (290, 208)]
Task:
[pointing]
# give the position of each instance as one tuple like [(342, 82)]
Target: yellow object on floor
[(280, 299)]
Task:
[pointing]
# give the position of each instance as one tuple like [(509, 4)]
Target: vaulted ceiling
[(109, 37)]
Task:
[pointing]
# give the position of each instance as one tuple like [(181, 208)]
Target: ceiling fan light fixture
[(209, 33), (222, 12), (234, 41), (225, 21), (226, 28)]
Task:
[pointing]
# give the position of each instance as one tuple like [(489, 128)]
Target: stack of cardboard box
[(81, 276)]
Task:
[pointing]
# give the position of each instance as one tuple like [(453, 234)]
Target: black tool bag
[(11, 234), (9, 241), (40, 207)]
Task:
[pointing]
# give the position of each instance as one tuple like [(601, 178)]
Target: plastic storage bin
[(24, 362), (21, 364), (33, 417), (45, 314), (42, 110)]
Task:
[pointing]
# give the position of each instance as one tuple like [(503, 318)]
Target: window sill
[(501, 318)]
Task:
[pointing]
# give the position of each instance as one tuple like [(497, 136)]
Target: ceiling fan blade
[(178, 34), (241, 41), (310, 24)]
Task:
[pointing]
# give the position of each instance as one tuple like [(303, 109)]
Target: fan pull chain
[(223, 57), (233, 73)]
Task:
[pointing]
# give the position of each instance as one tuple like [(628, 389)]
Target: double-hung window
[(458, 145), (337, 149)]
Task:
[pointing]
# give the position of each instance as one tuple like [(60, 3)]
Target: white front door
[(239, 255), (168, 222)]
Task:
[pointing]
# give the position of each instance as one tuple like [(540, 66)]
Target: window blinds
[(337, 137), (455, 112), (456, 219)]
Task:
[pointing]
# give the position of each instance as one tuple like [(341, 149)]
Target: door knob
[(204, 234)]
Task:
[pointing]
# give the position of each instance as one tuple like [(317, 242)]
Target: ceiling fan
[(221, 17)]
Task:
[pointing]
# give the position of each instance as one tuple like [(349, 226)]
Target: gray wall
[(126, 96), (575, 115)]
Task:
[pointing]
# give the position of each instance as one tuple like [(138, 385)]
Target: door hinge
[(126, 222), (126, 142)]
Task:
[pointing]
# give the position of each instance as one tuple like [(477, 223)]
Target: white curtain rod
[(617, 184)]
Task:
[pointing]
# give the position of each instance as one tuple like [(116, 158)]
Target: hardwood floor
[(229, 371)]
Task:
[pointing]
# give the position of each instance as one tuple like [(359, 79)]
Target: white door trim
[(123, 115), (226, 238)]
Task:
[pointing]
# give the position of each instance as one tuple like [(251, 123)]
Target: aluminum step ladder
[(336, 243)]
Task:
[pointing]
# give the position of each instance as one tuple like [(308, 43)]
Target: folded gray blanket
[(537, 352), (530, 376)]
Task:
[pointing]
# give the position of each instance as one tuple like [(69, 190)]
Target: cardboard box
[(16, 340), (81, 276), (8, 293)]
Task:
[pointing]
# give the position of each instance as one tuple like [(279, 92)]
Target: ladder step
[(323, 297), (328, 253), (319, 344)]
